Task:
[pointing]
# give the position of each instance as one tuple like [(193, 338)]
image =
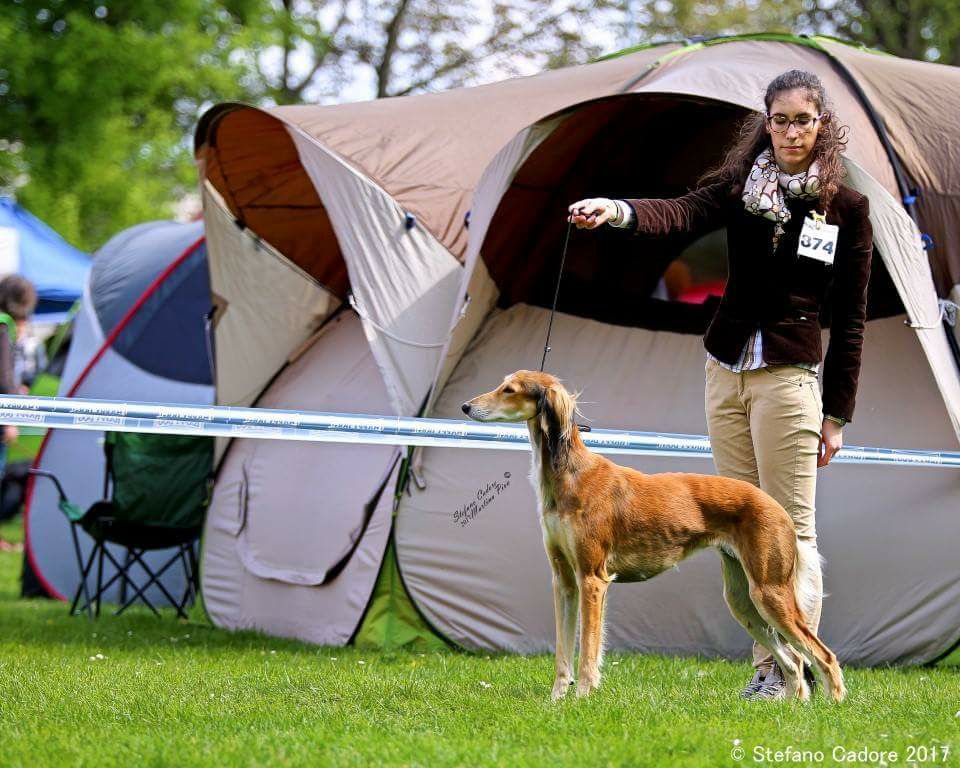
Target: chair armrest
[(71, 510), (50, 476)]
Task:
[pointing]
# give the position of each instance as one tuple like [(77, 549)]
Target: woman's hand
[(592, 212), (831, 441)]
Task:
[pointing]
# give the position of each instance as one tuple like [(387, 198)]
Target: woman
[(767, 421)]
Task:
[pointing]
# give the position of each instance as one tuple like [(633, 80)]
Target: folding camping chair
[(156, 491)]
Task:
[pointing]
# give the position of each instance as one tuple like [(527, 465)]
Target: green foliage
[(916, 29), (102, 98)]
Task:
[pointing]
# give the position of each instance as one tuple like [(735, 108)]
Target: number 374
[(817, 243)]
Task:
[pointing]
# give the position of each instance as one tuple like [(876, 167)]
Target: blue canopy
[(56, 268)]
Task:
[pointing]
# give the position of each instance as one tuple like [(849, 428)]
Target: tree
[(914, 29), (100, 98), (313, 50), (656, 20), (917, 29)]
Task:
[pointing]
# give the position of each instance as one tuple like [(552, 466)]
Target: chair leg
[(82, 587), (124, 579), (119, 571), (129, 561), (83, 572), (194, 571), (103, 548), (154, 578), (170, 598), (187, 589), (100, 552)]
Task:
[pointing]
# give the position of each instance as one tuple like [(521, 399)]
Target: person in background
[(18, 299)]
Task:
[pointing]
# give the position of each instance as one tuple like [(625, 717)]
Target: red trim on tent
[(117, 330)]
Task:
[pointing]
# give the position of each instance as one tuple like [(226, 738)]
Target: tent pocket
[(302, 538)]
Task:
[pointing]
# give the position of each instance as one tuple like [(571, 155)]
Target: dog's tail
[(809, 565)]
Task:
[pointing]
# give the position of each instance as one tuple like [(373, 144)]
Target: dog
[(604, 522)]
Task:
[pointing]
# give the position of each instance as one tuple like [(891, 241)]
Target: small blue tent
[(30, 248)]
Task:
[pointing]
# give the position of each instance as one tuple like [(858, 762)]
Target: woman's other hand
[(831, 441), (592, 212)]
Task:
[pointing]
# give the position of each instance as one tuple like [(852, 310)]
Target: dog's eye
[(509, 391)]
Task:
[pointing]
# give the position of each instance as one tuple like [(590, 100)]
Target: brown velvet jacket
[(780, 292)]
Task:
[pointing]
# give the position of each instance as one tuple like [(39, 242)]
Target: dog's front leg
[(593, 590), (565, 612)]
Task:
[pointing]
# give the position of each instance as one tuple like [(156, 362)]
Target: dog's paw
[(586, 687), (837, 695), (802, 692), (560, 688)]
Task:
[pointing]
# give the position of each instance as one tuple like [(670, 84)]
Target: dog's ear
[(556, 422)]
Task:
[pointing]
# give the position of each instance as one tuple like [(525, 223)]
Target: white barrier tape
[(272, 424)]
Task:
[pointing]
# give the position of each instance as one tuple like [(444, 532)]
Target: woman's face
[(793, 147)]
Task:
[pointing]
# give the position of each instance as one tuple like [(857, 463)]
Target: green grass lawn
[(137, 691)]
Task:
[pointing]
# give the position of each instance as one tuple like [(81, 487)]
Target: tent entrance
[(630, 146)]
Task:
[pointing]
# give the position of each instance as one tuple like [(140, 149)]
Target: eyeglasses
[(780, 124)]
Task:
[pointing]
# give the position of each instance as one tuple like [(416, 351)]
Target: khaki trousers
[(764, 427)]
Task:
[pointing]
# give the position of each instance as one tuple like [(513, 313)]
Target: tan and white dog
[(604, 522)]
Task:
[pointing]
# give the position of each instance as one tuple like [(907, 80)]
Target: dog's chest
[(558, 533), (546, 502)]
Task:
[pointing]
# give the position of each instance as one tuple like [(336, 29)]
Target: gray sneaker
[(755, 684), (774, 687)]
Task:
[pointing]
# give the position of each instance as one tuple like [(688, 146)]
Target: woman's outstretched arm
[(697, 212)]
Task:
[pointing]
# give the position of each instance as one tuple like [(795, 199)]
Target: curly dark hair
[(753, 138), (18, 297)]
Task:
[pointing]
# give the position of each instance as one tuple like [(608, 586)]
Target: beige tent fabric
[(427, 151), (403, 282), (919, 103), (266, 307), (248, 156), (897, 238), (479, 291), (482, 577)]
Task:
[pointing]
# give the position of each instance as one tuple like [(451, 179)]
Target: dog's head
[(527, 395)]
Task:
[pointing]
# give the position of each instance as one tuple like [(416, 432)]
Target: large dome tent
[(139, 334), (639, 362), (484, 583)]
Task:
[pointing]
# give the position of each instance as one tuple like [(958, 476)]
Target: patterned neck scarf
[(767, 185)]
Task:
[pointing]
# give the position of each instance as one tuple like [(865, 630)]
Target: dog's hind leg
[(778, 605), (736, 592), (565, 594)]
